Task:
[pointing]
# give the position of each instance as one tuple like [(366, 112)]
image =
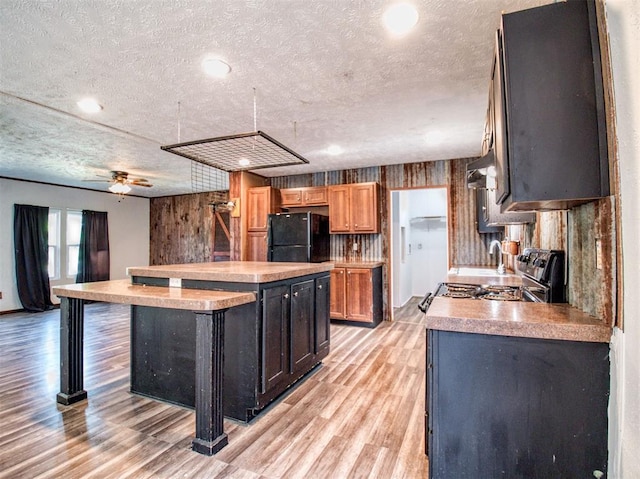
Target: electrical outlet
[(355, 246), (175, 282)]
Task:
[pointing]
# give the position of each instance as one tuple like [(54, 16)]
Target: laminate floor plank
[(359, 415)]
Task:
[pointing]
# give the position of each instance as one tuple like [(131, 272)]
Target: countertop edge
[(532, 320), (220, 271)]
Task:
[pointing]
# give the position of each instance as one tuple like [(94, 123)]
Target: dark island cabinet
[(269, 344), (275, 340), (302, 327), (322, 323), (516, 407)]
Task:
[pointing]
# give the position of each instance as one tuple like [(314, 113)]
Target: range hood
[(477, 170)]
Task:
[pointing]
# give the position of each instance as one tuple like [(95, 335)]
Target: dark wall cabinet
[(494, 216), (550, 133), (515, 407)]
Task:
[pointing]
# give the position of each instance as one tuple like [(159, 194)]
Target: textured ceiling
[(324, 72)]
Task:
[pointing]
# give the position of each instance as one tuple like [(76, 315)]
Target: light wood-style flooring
[(360, 415)]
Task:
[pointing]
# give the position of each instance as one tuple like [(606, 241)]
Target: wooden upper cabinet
[(261, 201), (365, 216), (308, 196), (291, 196), (339, 209), (354, 208)]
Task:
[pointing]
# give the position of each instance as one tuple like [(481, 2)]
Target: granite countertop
[(123, 292), (516, 318), (231, 271), (482, 275), (358, 264)]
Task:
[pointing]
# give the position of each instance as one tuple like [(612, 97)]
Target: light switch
[(598, 254)]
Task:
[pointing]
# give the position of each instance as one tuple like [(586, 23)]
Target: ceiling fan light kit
[(120, 188)]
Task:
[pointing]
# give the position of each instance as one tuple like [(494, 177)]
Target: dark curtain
[(93, 257), (31, 242)]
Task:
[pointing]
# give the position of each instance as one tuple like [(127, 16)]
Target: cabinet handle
[(295, 294), (286, 295), (319, 286)]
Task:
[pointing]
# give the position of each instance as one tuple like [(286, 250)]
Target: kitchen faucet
[(492, 246)]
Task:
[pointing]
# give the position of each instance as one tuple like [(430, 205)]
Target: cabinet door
[(257, 246), (364, 208), (291, 197), (302, 318), (275, 333), (339, 208), (359, 295), (315, 196), (258, 207), (338, 293), (322, 323), (499, 124)]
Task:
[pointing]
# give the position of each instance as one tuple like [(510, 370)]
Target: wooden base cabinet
[(356, 295), (502, 406)]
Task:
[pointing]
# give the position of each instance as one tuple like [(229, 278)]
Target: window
[(74, 225), (64, 243), (54, 244)]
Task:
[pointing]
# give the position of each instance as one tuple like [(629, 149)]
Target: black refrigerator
[(298, 237)]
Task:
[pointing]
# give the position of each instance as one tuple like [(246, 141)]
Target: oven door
[(534, 292)]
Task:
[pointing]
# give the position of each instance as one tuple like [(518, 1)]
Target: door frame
[(392, 246)]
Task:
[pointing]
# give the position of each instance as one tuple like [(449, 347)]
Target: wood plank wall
[(466, 245), (591, 285), (180, 228)]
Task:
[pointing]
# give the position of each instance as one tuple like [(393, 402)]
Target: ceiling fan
[(121, 182)]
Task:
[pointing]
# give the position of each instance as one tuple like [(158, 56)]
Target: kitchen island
[(218, 337), (516, 389), (270, 344)]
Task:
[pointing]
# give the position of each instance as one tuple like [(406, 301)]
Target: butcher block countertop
[(121, 291), (516, 318), (231, 271)]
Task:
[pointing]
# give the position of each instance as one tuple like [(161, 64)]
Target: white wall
[(425, 244), (623, 20), (128, 227), (402, 267), (428, 233)]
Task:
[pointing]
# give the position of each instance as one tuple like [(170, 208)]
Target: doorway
[(419, 242)]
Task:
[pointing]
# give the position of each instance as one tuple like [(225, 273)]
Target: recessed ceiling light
[(244, 162), (89, 105), (400, 18), (215, 67), (334, 150)]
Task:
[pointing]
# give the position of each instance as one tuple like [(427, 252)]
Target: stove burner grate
[(503, 296), (457, 294)]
